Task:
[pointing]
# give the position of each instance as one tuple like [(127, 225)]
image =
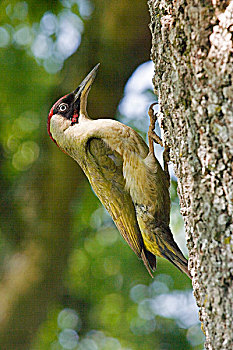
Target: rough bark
[(192, 53)]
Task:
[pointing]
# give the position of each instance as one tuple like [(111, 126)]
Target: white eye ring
[(63, 107)]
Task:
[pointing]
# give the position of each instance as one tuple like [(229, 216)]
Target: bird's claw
[(153, 137)]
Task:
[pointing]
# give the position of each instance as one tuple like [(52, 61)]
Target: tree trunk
[(192, 53)]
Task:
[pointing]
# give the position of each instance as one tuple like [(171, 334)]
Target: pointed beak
[(84, 87)]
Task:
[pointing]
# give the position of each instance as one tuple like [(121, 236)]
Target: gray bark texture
[(193, 55)]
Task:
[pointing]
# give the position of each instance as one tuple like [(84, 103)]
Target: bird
[(123, 172)]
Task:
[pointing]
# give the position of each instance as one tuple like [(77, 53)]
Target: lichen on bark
[(192, 52)]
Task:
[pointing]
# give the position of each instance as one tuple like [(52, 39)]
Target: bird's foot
[(153, 137)]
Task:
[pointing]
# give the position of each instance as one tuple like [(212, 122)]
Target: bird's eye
[(63, 107)]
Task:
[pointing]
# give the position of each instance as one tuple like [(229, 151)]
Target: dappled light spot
[(57, 38), (177, 225), (53, 64), (23, 35), (97, 336), (49, 23), (42, 46), (140, 326), (139, 293), (12, 143), (87, 344), (157, 288), (92, 247), (18, 11), (4, 37), (69, 32), (156, 300), (135, 101), (68, 338), (52, 40), (85, 7), (166, 279), (68, 318), (78, 260), (145, 309), (100, 218), (107, 236), (195, 335), (22, 152), (179, 305), (26, 155), (112, 343), (27, 122)]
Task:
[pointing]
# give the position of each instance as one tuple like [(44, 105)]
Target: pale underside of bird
[(123, 172)]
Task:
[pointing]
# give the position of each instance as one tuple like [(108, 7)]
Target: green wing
[(104, 171)]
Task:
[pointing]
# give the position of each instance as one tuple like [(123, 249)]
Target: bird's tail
[(162, 244), (170, 251), (182, 265)]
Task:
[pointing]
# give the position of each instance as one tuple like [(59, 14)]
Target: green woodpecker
[(123, 172)]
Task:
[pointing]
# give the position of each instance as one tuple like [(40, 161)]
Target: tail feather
[(170, 250), (162, 244), (182, 265), (149, 260)]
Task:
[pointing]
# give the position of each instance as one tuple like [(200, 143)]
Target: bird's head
[(67, 110)]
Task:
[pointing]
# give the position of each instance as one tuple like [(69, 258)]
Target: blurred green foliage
[(69, 281)]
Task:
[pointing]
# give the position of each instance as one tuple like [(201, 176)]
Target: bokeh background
[(68, 280)]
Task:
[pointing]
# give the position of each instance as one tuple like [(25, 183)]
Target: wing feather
[(104, 171)]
